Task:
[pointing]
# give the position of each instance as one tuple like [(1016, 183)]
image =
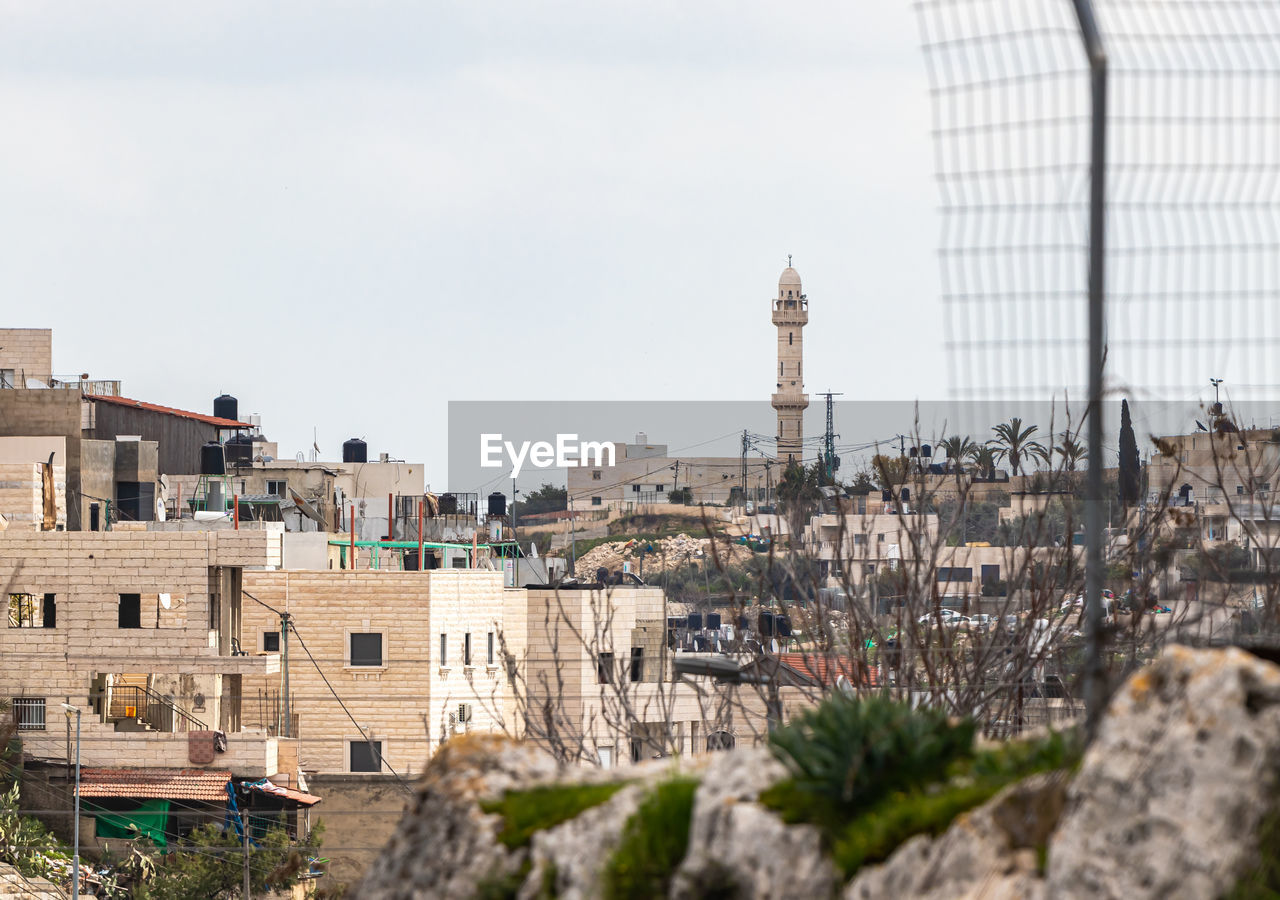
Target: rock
[(1170, 794), (571, 856), (446, 845), (738, 848), (989, 853)]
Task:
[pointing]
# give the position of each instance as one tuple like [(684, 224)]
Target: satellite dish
[(773, 645), (165, 601)]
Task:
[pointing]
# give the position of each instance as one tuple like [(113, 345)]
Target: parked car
[(949, 618)]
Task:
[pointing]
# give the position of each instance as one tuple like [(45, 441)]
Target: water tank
[(497, 504), (226, 407), (448, 505), (238, 450), (212, 462), (784, 626), (764, 624), (713, 621), (695, 621), (355, 451)]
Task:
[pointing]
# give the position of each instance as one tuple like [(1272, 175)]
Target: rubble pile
[(659, 556)]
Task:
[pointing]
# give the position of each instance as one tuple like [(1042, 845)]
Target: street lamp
[(75, 859)]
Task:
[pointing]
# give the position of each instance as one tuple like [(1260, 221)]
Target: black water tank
[(239, 450), (743, 622), (764, 624), (355, 451), (695, 621), (212, 462), (784, 626), (448, 505), (226, 407), (713, 621), (497, 504)]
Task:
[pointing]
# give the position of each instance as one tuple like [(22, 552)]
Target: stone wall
[(29, 352)]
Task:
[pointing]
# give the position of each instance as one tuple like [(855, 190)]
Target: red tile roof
[(169, 410), (169, 784), (826, 669), (267, 786)]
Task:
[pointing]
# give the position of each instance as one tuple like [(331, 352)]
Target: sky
[(348, 215)]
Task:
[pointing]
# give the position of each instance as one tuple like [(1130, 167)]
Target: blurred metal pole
[(1095, 669)]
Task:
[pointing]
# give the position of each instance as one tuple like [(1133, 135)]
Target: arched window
[(720, 740)]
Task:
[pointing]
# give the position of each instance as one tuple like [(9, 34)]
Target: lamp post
[(75, 859)]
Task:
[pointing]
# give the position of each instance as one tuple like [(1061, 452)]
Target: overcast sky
[(348, 215)]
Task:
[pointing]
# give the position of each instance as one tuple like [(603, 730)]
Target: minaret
[(790, 314)]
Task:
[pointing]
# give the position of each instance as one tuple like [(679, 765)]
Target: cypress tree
[(1130, 477)]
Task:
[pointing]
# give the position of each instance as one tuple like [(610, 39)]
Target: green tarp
[(148, 820)]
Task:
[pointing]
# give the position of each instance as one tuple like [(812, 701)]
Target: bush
[(654, 841), (848, 753)]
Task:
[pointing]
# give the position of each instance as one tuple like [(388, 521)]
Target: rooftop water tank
[(226, 407), (355, 451), (212, 462)]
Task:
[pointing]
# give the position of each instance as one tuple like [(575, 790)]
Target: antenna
[(830, 461)]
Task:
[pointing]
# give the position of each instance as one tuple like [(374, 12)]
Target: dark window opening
[(366, 756), (366, 649), (491, 656), (466, 649), (271, 641), (954, 573), (444, 649), (277, 488), (135, 501), (604, 668), (637, 664), (130, 614), (50, 612)]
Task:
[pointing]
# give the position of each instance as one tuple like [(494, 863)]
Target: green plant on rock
[(536, 809), (653, 843), (847, 753)]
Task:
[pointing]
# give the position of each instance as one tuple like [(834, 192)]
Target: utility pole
[(745, 445), (573, 539), (829, 438), (286, 622), (244, 828)]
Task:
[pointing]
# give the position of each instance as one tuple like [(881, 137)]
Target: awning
[(146, 820), (168, 784), (266, 786)]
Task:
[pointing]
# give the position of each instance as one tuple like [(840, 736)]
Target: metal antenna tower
[(829, 461)]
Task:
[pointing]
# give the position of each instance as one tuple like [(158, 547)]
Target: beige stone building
[(138, 631), (26, 355)]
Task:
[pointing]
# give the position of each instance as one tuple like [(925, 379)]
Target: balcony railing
[(131, 701)]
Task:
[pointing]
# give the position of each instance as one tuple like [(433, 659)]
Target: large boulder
[(446, 845), (1170, 794), (989, 853), (738, 848)]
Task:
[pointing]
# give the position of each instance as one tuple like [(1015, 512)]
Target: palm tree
[(1015, 443), (984, 457), (957, 448), (1071, 451)]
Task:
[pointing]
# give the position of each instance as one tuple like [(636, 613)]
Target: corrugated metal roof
[(169, 410), (267, 786), (170, 784)]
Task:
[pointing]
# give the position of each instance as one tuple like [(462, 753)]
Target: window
[(130, 612), (366, 649), (859, 540), (28, 712), (277, 488), (466, 649), (661, 488), (7, 377), (444, 649), (366, 756), (780, 372), (491, 657), (637, 664), (604, 668), (990, 573), (458, 562), (605, 755), (595, 474), (271, 641), (635, 488), (595, 501), (954, 573), (29, 611), (790, 338)]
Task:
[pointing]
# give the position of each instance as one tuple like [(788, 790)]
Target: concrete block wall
[(248, 755), (404, 703), (28, 351)]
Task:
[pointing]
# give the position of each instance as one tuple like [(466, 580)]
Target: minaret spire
[(790, 315)]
